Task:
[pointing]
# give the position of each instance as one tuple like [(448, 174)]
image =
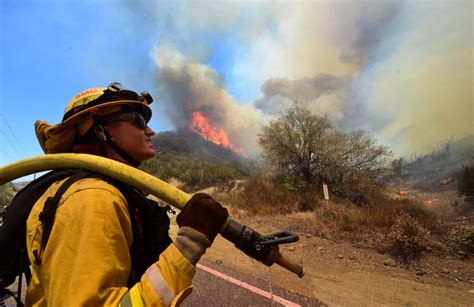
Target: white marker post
[(326, 191)]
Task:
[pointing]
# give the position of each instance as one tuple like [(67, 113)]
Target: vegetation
[(7, 191), (462, 238), (190, 172), (439, 170), (303, 151), (306, 150), (466, 184), (406, 235), (188, 161), (259, 196)]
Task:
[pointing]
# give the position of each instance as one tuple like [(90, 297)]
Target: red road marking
[(245, 285)]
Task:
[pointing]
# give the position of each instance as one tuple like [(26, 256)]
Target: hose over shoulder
[(114, 169), (119, 171)]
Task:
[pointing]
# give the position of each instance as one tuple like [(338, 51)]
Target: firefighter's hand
[(203, 214)]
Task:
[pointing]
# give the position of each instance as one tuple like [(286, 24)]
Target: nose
[(149, 131)]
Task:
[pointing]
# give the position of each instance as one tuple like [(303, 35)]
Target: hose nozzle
[(264, 248)]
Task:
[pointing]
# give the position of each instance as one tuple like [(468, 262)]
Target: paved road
[(231, 288), (212, 290)]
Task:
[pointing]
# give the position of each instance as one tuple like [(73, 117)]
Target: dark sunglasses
[(134, 117)]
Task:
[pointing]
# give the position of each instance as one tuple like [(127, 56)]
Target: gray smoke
[(346, 60), (324, 95), (361, 27)]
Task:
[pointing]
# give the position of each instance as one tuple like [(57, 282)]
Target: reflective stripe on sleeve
[(159, 285), (126, 301), (132, 298)]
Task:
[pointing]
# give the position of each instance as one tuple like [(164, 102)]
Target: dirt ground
[(344, 273), (340, 274)]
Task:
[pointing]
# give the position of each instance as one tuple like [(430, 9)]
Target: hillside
[(191, 163), (189, 142), (436, 171)]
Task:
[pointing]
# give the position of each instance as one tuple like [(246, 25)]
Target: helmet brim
[(141, 107), (60, 137)]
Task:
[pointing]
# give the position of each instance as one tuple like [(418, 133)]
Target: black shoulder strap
[(13, 226), (49, 211), (150, 226)]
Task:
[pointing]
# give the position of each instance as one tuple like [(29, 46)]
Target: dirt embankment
[(341, 271), (340, 274)]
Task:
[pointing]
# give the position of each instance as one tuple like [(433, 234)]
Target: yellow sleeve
[(87, 260), (165, 283)]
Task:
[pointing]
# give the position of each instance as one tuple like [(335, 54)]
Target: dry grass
[(365, 226), (260, 197)]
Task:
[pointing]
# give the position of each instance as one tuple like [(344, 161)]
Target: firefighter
[(101, 246)]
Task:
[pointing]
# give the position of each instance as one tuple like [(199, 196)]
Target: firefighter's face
[(132, 138)]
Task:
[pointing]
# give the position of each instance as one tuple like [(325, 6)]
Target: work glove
[(199, 223), (203, 214)]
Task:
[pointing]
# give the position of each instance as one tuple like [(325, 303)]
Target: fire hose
[(264, 248)]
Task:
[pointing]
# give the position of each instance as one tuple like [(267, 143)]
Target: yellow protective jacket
[(87, 262)]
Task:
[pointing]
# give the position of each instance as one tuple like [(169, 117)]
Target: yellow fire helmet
[(79, 113)]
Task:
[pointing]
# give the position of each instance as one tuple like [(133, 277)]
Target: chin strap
[(105, 137)]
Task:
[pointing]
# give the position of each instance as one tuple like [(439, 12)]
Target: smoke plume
[(402, 70), (187, 87), (324, 95)]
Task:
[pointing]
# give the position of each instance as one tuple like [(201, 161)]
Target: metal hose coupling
[(264, 248)]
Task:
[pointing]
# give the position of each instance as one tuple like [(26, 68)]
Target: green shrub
[(466, 184), (406, 236), (307, 149), (462, 238), (194, 172)]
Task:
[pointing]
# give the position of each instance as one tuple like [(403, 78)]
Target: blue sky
[(401, 69), (50, 50)]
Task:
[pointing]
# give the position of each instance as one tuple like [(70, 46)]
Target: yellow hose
[(111, 168), (122, 172)]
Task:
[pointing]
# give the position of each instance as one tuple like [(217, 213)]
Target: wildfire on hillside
[(447, 180), (429, 202), (201, 125)]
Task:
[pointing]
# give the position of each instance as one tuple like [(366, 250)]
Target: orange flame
[(430, 202), (447, 180), (201, 125)]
